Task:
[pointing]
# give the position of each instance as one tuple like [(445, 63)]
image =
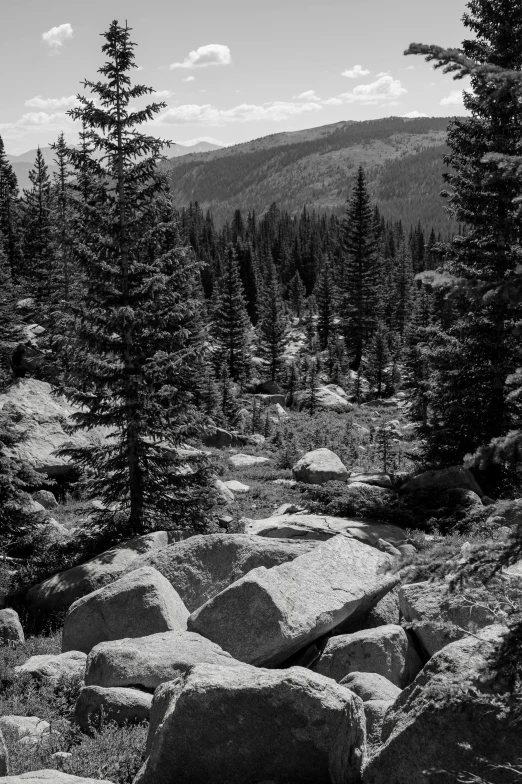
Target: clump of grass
[(109, 752)]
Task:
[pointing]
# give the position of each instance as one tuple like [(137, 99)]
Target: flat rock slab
[(60, 591), (378, 480), (320, 466), (451, 719), (203, 566), (50, 777), (438, 616), (119, 705), (140, 603), (52, 668), (236, 487), (386, 650), (148, 661), (231, 726), (270, 614), (323, 527), (245, 461)]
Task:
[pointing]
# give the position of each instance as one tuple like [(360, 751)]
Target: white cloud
[(382, 90), (413, 115), (29, 123), (453, 99), (162, 94), (308, 95), (189, 79), (410, 67), (207, 114), (52, 103), (356, 72), (211, 54), (56, 37)]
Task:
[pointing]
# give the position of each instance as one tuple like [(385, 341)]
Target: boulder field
[(259, 658)]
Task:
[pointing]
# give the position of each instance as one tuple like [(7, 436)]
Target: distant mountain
[(316, 168), (22, 164), (178, 150)]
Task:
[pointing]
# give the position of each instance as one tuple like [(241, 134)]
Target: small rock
[(378, 480), (10, 627), (245, 461), (219, 439), (4, 757), (375, 713), (225, 492), (236, 487), (51, 777)]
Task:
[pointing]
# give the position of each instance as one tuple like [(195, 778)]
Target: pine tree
[(61, 219), (472, 359), (272, 326), (357, 307), (231, 323), (38, 264), (139, 334), (9, 218), (377, 360), (415, 355), (296, 294), (403, 281), (325, 298)]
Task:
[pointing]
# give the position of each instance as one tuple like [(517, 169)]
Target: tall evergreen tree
[(38, 265), (272, 326), (231, 323), (402, 289), (296, 294), (357, 307), (139, 335), (9, 219), (325, 297), (480, 350), (377, 359)]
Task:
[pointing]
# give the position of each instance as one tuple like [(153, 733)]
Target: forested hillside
[(316, 168)]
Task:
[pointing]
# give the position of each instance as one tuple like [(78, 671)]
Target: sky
[(229, 71)]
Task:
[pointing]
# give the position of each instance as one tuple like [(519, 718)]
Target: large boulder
[(375, 712), (320, 466), (386, 650), (60, 591), (50, 777), (46, 499), (386, 611), (254, 725), (439, 617), (10, 627), (322, 527), (270, 614), (443, 478), (204, 565), (41, 416), (146, 662), (371, 686), (54, 667), (140, 603), (451, 723), (118, 705)]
